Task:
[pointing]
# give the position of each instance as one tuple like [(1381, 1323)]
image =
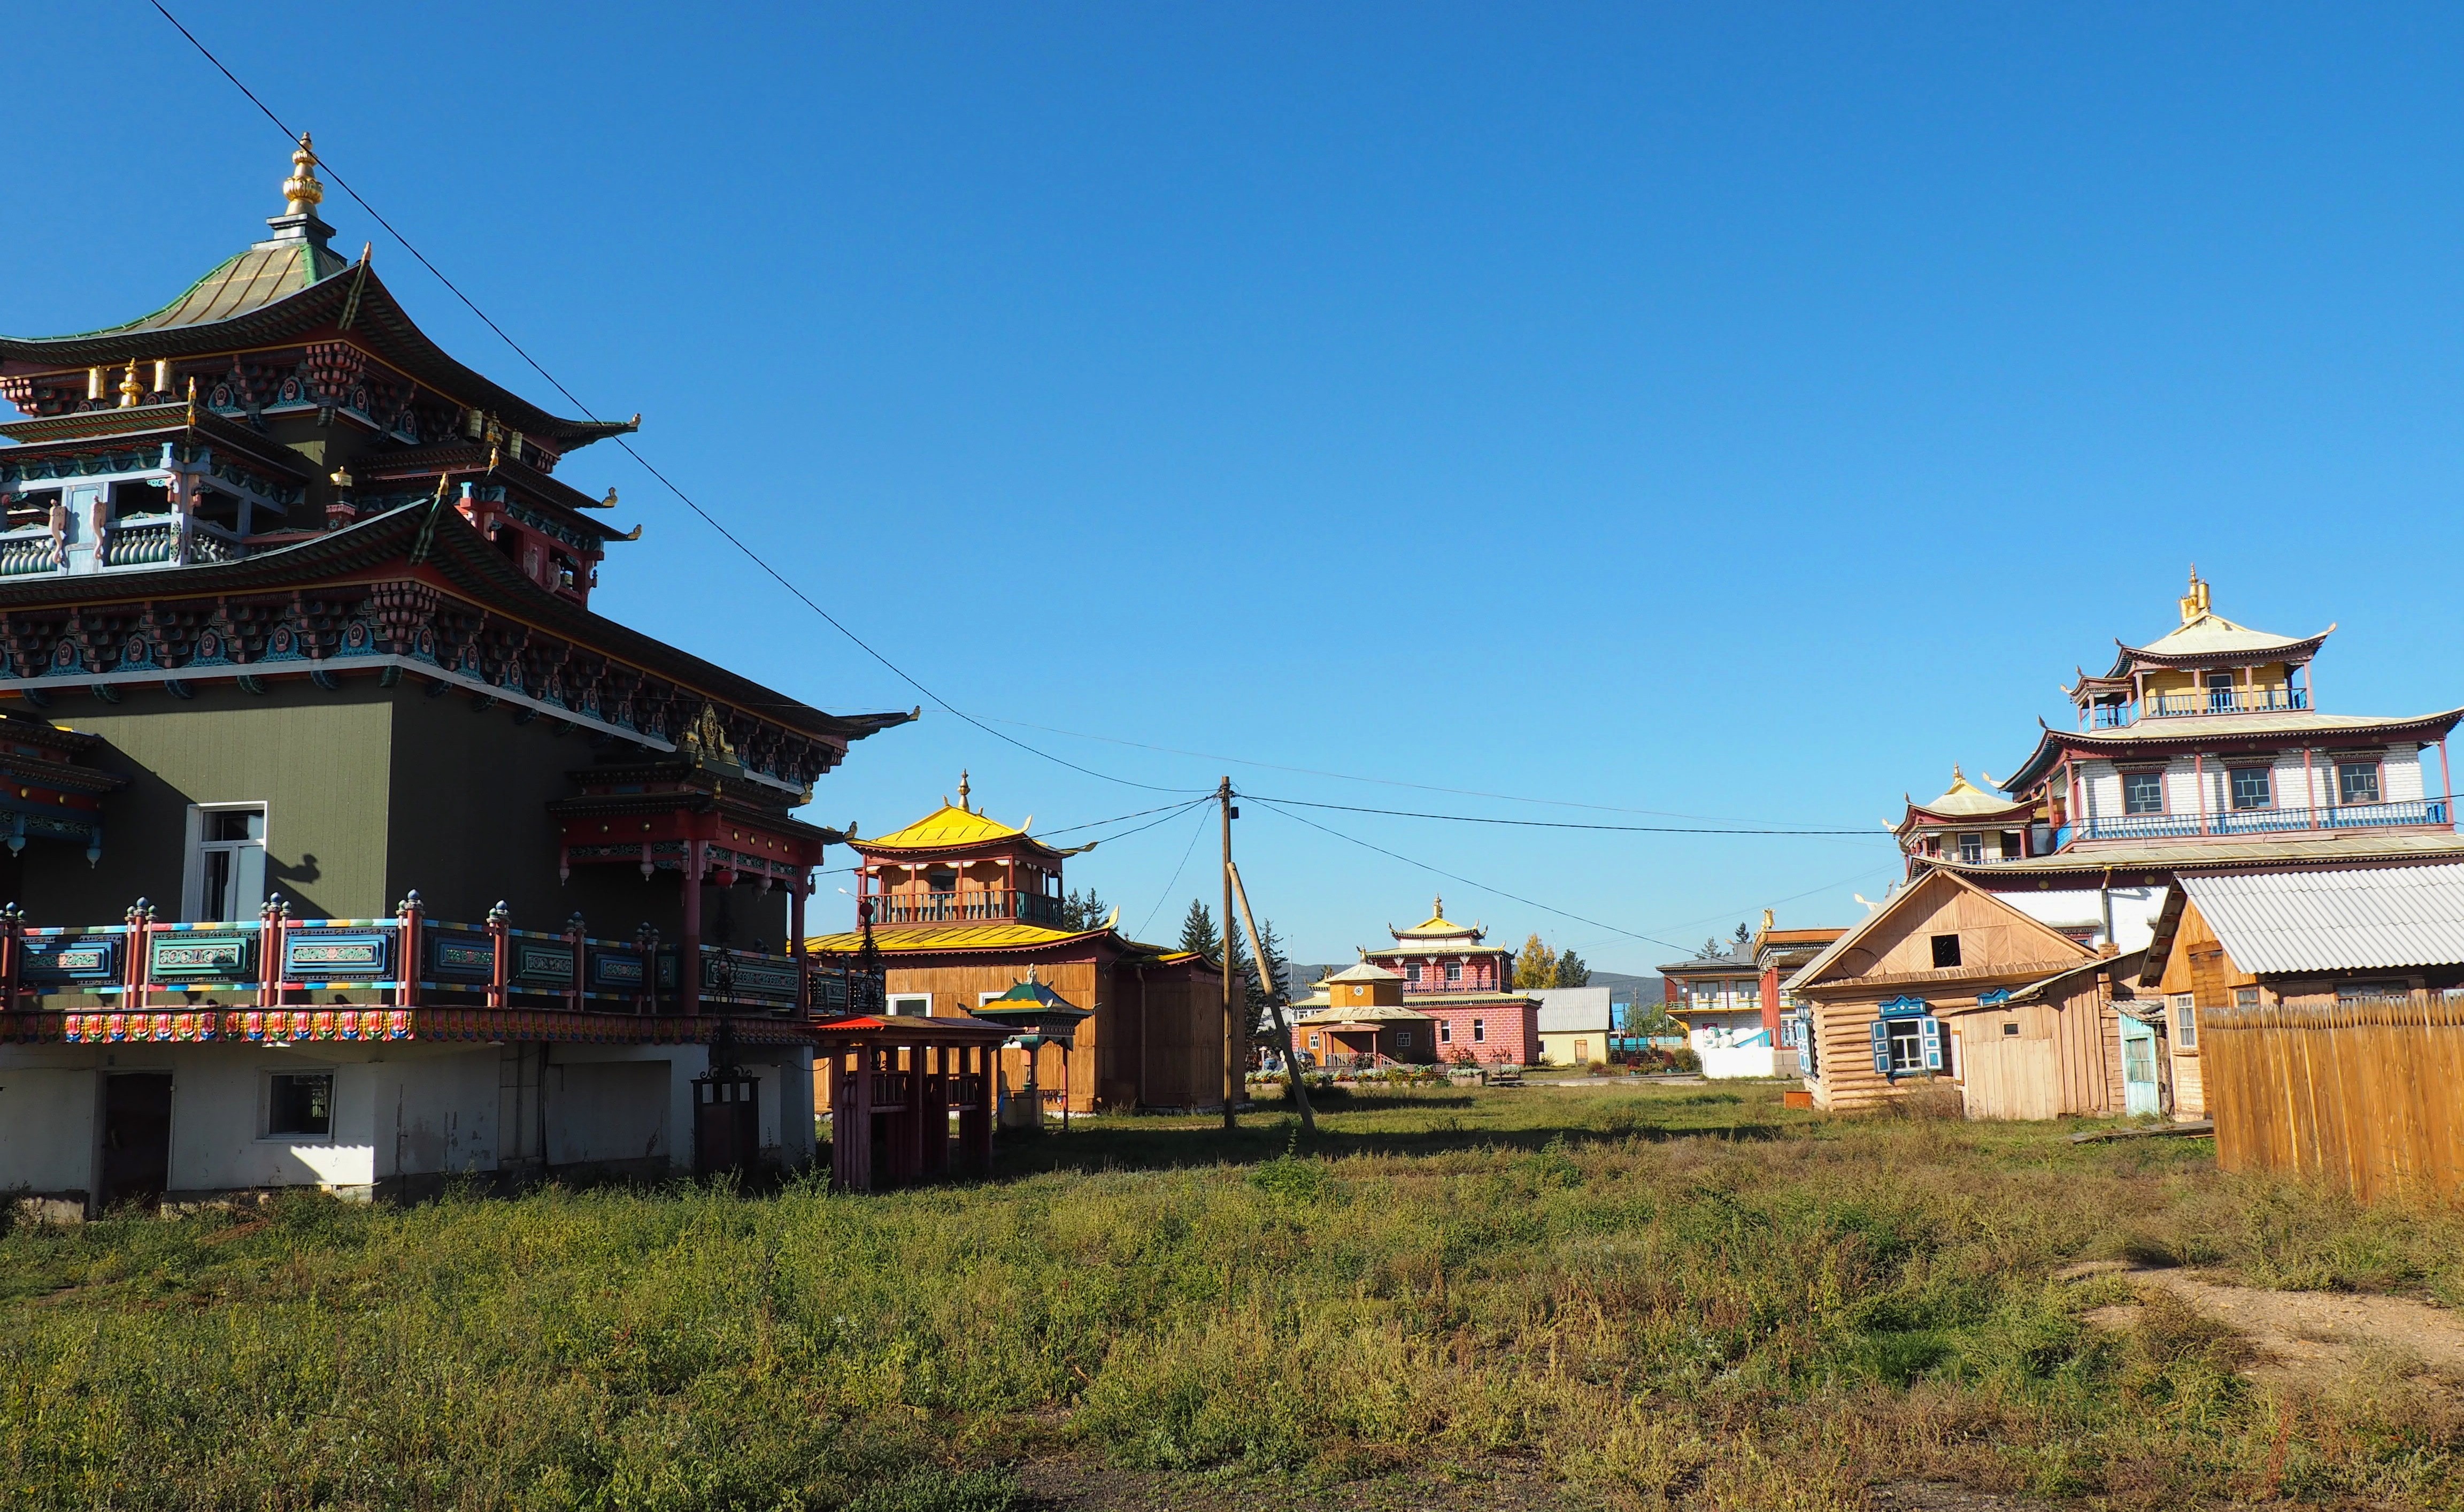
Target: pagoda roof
[(2226, 733), (468, 564), (1005, 939), (1364, 971), (1437, 927), (959, 827), (1965, 800), (2206, 638), (286, 288)]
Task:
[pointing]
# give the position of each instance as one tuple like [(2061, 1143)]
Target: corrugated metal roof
[(2385, 917)]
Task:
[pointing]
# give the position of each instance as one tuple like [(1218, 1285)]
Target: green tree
[(1085, 910), (1274, 979), (1535, 965), (1197, 932), (1572, 971)]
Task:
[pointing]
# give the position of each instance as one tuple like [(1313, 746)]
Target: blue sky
[(1742, 411)]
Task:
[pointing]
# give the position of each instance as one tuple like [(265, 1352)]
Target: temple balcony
[(967, 905), (277, 978), (2418, 813), (2199, 701)]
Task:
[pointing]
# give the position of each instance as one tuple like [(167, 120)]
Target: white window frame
[(265, 1131), (891, 1003), (193, 882)]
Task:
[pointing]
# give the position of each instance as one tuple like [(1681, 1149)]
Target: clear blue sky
[(1727, 410)]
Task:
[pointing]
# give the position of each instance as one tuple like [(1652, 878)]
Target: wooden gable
[(1995, 940)]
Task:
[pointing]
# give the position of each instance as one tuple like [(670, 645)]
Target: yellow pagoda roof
[(1437, 926), (955, 826), (1965, 797)]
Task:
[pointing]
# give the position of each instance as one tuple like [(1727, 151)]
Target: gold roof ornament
[(2194, 603), (962, 791), (131, 391), (301, 194), (706, 737)]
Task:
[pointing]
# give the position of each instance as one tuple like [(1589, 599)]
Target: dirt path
[(2311, 1339)]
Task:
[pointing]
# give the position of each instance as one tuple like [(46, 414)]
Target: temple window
[(2357, 781), (2143, 793), (225, 862), (1945, 952), (299, 1103), (942, 879), (1412, 975), (1972, 848), (1453, 973), (2220, 691), (2011, 849), (2252, 788), (1479, 1031)]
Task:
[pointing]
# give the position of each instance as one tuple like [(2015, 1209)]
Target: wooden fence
[(2367, 1094)]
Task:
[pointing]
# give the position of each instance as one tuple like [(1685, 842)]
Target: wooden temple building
[(351, 848), (962, 907)]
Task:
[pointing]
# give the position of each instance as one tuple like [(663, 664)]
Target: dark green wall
[(316, 758), (369, 792)]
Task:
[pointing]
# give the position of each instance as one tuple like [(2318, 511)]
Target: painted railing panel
[(2262, 822)]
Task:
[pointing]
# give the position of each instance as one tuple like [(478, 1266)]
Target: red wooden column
[(910, 1129), (981, 1146), (858, 1122), (936, 1113), (838, 1093), (689, 950), (796, 896)]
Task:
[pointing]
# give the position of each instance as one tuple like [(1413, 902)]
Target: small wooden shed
[(1945, 982)]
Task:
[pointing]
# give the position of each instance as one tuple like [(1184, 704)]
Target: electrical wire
[(707, 518), (1528, 902), (1546, 824), (1382, 781), (1194, 834)]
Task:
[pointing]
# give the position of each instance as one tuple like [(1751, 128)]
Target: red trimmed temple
[(1450, 975), (300, 668), (963, 907)]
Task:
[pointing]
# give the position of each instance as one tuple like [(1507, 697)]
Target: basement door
[(727, 1123), (136, 1138), (2142, 1097)]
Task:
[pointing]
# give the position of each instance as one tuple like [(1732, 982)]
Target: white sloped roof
[(2278, 922)]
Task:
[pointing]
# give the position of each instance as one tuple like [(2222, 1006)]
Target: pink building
[(1464, 985)]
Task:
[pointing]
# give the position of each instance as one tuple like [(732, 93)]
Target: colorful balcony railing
[(276, 961), (968, 905)]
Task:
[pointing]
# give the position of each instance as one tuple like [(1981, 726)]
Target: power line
[(1451, 876), (1092, 824), (1199, 830), (625, 446), (1383, 782), (1545, 824)]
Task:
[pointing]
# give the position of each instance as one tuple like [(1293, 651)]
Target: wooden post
[(575, 937), (859, 1133), (2446, 780), (1275, 1006), (2199, 776), (500, 936), (139, 920), (13, 957), (2309, 790), (838, 1118), (1231, 1061), (689, 950), (987, 1058), (407, 945), (268, 940), (796, 932)]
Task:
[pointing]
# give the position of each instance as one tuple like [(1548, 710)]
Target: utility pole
[(1292, 1082), (1231, 1060)]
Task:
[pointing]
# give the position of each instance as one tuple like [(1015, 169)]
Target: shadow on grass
[(1125, 1146)]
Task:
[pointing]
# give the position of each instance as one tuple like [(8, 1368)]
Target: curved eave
[(390, 333), (468, 564), (2132, 658), (2056, 744), (1919, 814)]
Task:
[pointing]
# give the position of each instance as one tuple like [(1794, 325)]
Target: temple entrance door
[(727, 1122), (136, 1138)]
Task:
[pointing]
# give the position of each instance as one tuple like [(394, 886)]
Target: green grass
[(1651, 1296)]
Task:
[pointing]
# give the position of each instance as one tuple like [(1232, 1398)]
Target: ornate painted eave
[(141, 429), (2128, 659), (2227, 733), (354, 306)]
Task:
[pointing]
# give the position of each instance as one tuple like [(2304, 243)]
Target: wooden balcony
[(966, 906)]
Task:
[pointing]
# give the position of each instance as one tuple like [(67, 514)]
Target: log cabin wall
[(2199, 975), (2043, 1059)]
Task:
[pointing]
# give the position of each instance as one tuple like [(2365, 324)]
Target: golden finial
[(1436, 908), (609, 503), (2194, 603), (131, 391), (962, 791), (301, 194), (192, 398)]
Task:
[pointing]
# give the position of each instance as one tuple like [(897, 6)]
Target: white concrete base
[(404, 1117)]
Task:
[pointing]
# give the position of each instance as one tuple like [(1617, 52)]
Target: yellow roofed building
[(958, 906)]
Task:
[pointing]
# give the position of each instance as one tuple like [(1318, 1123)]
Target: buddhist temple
[(1466, 987), (1355, 1019), (960, 908), (350, 847)]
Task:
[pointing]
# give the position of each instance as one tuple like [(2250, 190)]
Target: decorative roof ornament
[(2194, 603), (962, 790), (131, 391), (707, 738), (301, 194)]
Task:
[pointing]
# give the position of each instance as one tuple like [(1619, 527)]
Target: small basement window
[(2011, 1030), (299, 1103), (910, 1005), (1945, 952)]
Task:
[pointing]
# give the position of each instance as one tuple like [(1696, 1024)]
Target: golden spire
[(962, 791), (2194, 603), (301, 194), (131, 391), (1436, 908)]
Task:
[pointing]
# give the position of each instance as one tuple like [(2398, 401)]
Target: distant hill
[(1624, 988)]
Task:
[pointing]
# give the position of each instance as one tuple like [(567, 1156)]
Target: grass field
[(1607, 1297)]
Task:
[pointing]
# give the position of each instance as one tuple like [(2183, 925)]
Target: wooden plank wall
[(2364, 1095)]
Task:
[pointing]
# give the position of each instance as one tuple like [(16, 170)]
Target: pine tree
[(1197, 932), (1085, 910), (1535, 965), (1275, 979), (1572, 971)]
